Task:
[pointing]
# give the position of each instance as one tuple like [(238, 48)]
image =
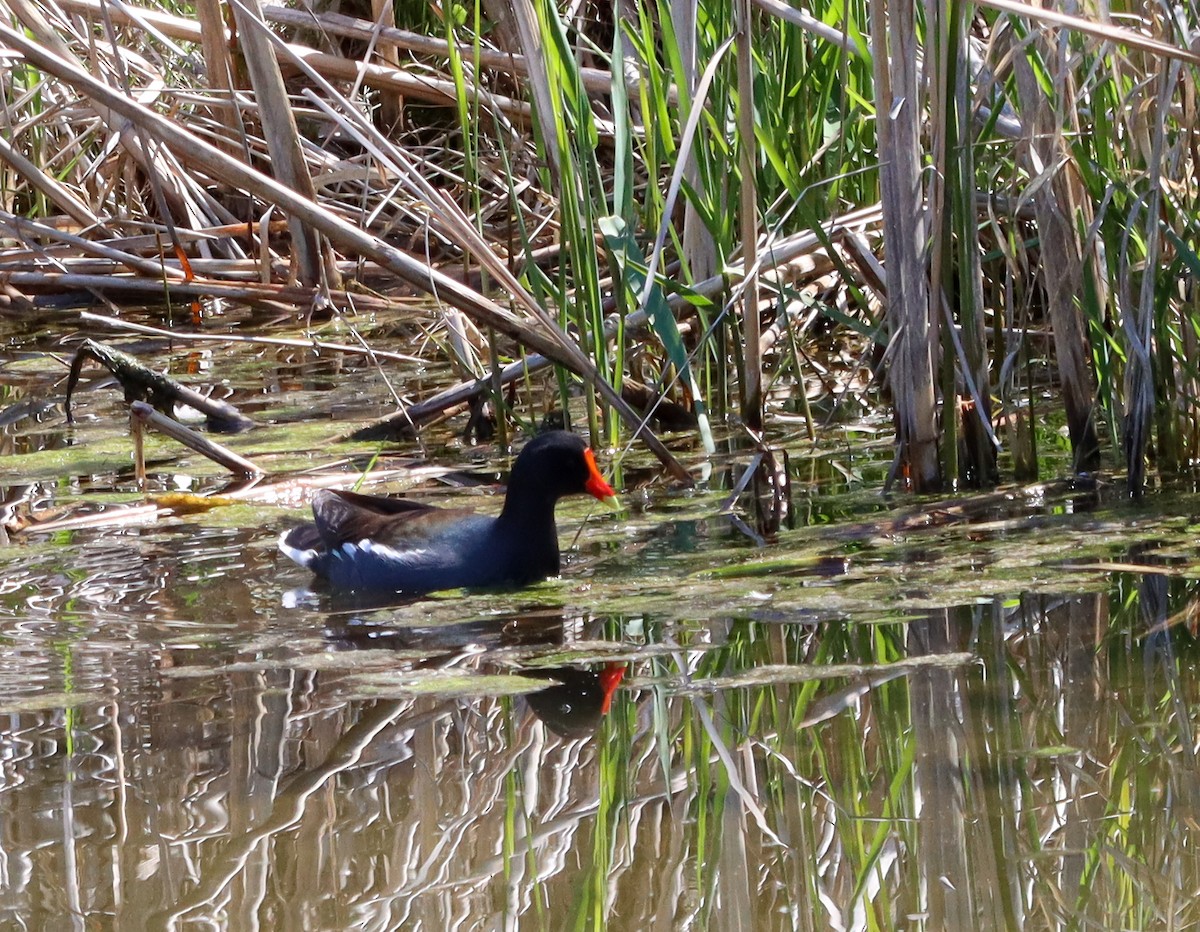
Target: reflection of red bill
[(610, 679)]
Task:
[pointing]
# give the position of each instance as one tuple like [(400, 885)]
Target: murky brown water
[(947, 728)]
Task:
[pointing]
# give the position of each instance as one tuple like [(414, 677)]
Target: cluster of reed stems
[(984, 203)]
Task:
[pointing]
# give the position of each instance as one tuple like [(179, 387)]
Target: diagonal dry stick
[(144, 414)]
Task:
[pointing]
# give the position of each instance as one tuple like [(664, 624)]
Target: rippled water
[(983, 721)]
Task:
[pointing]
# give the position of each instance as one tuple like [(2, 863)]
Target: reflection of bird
[(573, 707), (365, 542)]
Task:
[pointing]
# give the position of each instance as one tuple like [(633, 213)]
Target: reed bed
[(688, 196)]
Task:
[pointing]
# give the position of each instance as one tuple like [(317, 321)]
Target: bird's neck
[(528, 519), (528, 506)]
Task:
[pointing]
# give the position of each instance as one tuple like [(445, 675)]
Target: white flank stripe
[(303, 557), (384, 552)]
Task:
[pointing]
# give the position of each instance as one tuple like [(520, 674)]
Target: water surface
[(984, 720)]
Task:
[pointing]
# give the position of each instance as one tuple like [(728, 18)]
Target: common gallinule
[(364, 542)]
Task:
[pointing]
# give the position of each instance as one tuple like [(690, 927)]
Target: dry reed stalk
[(23, 230), (279, 126), (143, 289), (144, 244), (752, 380), (219, 271), (425, 88), (218, 71), (1105, 32), (911, 348), (185, 336), (523, 24), (698, 246), (1056, 202), (391, 103), (58, 193), (597, 81)]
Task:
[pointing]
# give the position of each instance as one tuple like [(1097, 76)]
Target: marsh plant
[(981, 220)]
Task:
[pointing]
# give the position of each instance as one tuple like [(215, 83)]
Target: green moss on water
[(329, 661), (278, 449), (442, 683), (300, 443), (103, 456)]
